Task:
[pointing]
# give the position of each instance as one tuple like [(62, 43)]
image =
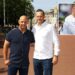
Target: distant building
[(49, 15)]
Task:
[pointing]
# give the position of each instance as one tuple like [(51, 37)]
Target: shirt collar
[(21, 31), (43, 24)]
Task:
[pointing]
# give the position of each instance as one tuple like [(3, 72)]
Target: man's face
[(73, 9), (39, 17), (23, 21)]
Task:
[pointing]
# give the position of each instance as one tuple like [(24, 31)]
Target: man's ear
[(44, 17), (28, 22)]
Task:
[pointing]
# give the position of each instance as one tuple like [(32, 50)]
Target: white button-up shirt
[(69, 25), (45, 37)]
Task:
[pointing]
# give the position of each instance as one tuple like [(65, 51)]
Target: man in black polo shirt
[(18, 40)]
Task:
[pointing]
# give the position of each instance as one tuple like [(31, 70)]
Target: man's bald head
[(23, 17), (23, 21)]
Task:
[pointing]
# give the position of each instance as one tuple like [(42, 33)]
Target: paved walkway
[(66, 65), (3, 68)]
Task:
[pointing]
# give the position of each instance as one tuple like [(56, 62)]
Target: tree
[(1, 12), (16, 8)]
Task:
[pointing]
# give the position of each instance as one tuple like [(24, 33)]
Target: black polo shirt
[(19, 46)]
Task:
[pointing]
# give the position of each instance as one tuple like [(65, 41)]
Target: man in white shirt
[(46, 45), (69, 24)]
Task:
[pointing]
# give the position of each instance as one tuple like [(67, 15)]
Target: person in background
[(69, 24)]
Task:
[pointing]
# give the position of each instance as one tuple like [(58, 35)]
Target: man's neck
[(73, 15), (39, 24), (23, 30)]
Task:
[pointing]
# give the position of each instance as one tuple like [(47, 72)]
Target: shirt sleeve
[(55, 43), (32, 38), (8, 36)]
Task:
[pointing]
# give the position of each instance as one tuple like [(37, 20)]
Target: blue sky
[(48, 4)]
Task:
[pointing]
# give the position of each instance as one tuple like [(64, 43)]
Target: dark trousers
[(12, 70), (43, 67)]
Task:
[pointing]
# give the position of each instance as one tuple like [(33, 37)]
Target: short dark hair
[(40, 10)]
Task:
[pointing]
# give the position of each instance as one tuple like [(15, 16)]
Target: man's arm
[(56, 47), (32, 38), (5, 52)]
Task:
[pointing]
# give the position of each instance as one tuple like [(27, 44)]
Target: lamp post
[(4, 12)]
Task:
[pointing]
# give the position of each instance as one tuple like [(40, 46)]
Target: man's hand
[(6, 62), (55, 60)]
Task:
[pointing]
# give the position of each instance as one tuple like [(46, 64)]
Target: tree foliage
[(15, 8)]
